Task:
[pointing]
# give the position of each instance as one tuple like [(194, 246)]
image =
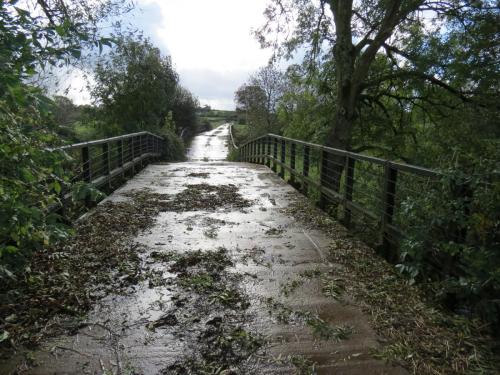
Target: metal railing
[(98, 162), (353, 186), (233, 143)]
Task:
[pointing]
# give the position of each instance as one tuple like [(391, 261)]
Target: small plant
[(289, 288), (325, 331), (303, 365), (332, 288)]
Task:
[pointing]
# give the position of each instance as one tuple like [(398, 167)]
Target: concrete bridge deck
[(274, 312)]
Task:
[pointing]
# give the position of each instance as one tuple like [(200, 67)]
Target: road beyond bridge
[(234, 283)]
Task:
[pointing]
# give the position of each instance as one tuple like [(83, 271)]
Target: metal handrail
[(337, 174), (115, 156), (400, 166), (232, 137), (106, 140)]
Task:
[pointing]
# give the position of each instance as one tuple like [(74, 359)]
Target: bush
[(454, 242), (174, 146), (31, 179)]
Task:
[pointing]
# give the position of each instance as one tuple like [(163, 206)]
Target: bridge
[(237, 274)]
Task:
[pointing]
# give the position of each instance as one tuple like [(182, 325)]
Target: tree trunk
[(340, 133), (339, 137)]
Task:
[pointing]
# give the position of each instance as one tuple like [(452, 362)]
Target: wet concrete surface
[(269, 249)]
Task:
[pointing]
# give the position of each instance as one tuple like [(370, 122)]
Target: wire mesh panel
[(99, 161), (368, 194)]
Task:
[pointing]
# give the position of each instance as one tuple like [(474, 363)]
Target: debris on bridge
[(222, 268)]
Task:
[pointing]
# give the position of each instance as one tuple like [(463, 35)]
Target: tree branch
[(421, 75)]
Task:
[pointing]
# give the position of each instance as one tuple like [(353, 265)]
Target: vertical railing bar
[(268, 153), (305, 169), (349, 187), (132, 153), (323, 202), (282, 158), (275, 154), (293, 147), (86, 167), (388, 199)]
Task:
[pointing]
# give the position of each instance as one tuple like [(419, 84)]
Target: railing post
[(349, 187), (132, 153), (268, 153), (86, 168), (283, 158), (259, 156), (105, 159), (141, 149), (275, 154), (305, 169), (389, 199), (120, 153), (293, 152), (106, 162), (121, 157), (324, 200)]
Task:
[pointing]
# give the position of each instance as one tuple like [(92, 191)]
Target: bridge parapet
[(347, 184), (101, 161)]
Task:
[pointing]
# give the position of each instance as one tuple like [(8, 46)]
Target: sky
[(210, 43)]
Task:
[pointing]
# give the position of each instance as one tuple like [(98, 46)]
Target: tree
[(135, 85), (34, 35), (259, 99), (250, 100), (184, 112), (376, 49), (65, 111)]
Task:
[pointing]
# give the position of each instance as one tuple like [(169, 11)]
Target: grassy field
[(216, 117)]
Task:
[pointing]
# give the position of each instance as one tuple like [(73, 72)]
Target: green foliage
[(454, 239), (184, 112), (174, 146), (31, 180), (136, 85), (257, 100), (31, 177), (303, 111), (210, 119), (139, 90), (418, 92), (82, 191)]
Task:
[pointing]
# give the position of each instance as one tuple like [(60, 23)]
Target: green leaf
[(4, 336), (11, 249), (27, 175), (57, 187), (76, 53), (60, 30)]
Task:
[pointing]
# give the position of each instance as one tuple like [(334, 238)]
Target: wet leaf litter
[(195, 303)]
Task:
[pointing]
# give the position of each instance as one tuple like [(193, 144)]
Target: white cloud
[(210, 42)]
